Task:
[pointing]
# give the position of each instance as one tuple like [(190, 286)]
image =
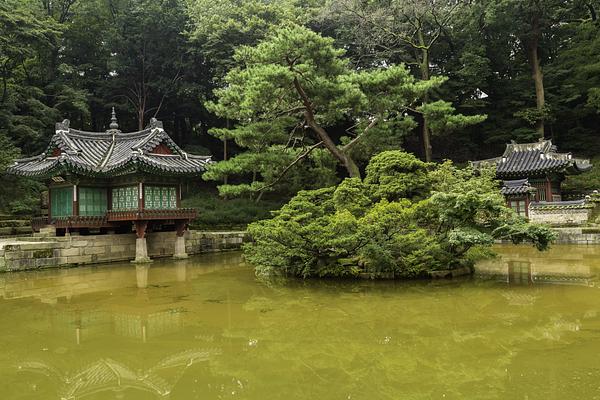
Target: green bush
[(442, 218), (21, 197)]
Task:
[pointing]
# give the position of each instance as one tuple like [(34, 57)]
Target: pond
[(526, 326)]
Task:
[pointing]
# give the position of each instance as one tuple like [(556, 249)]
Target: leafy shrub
[(406, 218)]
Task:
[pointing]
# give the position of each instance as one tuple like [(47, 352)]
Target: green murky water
[(526, 327)]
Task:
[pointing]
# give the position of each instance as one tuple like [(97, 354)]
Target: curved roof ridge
[(32, 158), (152, 134), (199, 157), (142, 132), (67, 140), (108, 153), (85, 133)]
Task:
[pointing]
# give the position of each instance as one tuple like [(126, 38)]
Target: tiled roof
[(531, 159), (561, 205), (516, 187), (110, 153)]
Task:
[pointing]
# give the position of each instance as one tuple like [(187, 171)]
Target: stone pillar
[(141, 247), (180, 252)]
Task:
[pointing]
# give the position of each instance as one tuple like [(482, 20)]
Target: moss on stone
[(44, 253)]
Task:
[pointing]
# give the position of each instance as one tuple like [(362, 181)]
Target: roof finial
[(113, 120)]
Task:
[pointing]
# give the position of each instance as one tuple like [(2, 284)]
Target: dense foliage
[(407, 217), (297, 81), (216, 213), (530, 66)]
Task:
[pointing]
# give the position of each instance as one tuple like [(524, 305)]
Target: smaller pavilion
[(114, 182), (532, 173)]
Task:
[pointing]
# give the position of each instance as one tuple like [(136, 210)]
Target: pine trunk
[(425, 75), (537, 75)]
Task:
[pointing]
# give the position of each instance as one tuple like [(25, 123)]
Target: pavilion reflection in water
[(107, 374), (526, 266), (139, 319)]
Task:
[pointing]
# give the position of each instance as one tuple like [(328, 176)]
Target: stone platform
[(46, 252)]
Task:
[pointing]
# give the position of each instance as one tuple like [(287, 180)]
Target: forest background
[(499, 70)]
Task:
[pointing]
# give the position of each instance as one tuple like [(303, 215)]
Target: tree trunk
[(426, 137), (536, 74), (140, 119), (425, 75), (225, 153), (342, 157)]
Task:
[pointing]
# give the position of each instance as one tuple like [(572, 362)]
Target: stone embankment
[(46, 252), (575, 235)]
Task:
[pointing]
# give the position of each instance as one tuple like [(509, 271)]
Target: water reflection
[(107, 374), (525, 266), (90, 308), (204, 328)]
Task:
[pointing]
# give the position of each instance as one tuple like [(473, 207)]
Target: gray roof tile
[(531, 159), (110, 153), (516, 187)]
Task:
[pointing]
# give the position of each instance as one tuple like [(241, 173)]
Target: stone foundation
[(47, 252)]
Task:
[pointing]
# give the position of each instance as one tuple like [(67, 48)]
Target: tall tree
[(219, 27), (149, 54), (297, 79), (25, 40), (399, 31)]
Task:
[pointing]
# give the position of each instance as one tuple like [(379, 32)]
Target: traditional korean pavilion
[(532, 173), (114, 181)]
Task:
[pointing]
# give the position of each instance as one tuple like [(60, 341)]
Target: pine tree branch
[(286, 169)]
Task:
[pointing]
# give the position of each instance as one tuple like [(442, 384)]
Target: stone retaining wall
[(32, 253), (560, 216), (577, 236)]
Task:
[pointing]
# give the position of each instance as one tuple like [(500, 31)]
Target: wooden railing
[(78, 221), (137, 215), (38, 223), (112, 218)]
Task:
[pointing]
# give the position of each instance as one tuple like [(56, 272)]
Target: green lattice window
[(160, 197), (62, 201), (92, 201), (125, 198)]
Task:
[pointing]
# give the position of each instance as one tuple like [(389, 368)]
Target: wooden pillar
[(109, 198), (548, 190), (140, 196), (75, 200), (179, 195), (140, 229), (49, 203), (141, 247)]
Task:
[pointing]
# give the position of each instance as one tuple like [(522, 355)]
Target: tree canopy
[(296, 82), (442, 79)]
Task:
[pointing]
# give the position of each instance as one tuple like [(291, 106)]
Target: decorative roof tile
[(516, 187), (534, 159), (110, 153)]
